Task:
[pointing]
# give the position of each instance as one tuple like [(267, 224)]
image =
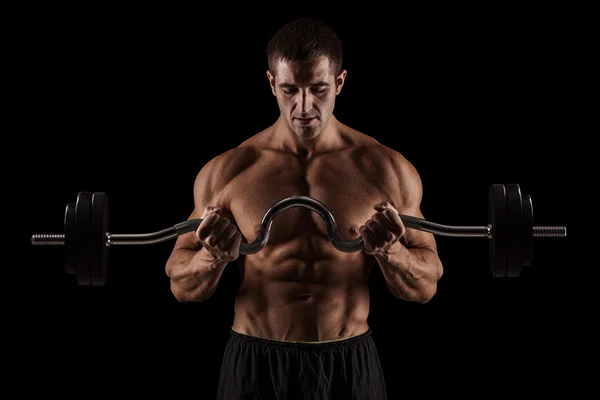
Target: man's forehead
[(302, 72)]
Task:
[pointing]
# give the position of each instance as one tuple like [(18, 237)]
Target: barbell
[(87, 237)]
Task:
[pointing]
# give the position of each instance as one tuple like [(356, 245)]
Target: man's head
[(305, 73)]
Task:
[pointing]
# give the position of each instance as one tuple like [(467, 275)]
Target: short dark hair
[(305, 39)]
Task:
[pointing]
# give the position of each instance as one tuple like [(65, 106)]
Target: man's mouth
[(305, 121)]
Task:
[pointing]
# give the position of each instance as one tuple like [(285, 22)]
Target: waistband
[(336, 343)]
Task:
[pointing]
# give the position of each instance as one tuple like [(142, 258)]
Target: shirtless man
[(300, 328)]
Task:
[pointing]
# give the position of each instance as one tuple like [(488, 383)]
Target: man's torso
[(299, 287)]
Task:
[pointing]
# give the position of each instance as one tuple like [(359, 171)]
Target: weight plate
[(527, 231), (98, 230), (82, 238), (497, 219), (69, 249), (514, 214)]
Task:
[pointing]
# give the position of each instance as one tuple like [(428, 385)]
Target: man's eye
[(314, 90)]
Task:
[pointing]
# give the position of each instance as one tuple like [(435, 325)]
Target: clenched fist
[(382, 230), (218, 235)]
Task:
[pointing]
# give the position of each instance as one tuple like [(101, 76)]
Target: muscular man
[(300, 328)]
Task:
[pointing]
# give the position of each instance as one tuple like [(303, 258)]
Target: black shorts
[(257, 368)]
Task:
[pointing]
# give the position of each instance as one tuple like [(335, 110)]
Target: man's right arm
[(192, 269)]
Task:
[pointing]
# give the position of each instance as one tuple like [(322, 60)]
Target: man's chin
[(307, 134)]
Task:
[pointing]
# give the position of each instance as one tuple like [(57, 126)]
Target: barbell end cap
[(50, 239), (545, 231)]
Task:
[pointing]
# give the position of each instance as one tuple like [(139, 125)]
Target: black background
[(133, 102)]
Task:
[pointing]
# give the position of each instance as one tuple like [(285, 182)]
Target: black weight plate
[(82, 238), (497, 219), (98, 230), (527, 231), (514, 214), (69, 237)]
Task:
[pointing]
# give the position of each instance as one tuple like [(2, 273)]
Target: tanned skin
[(299, 287)]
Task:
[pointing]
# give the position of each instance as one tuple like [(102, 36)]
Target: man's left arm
[(412, 272), (407, 257)]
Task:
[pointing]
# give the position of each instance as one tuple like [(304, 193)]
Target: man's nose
[(305, 100)]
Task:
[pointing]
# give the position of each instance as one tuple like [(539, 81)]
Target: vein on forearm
[(414, 267)]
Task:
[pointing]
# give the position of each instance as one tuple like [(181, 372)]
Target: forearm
[(411, 273), (194, 274)]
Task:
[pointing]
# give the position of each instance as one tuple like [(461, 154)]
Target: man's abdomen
[(294, 299)]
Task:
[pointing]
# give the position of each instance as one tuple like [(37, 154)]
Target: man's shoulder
[(225, 166), (364, 142), (388, 156), (390, 163)]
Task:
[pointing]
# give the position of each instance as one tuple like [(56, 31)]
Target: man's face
[(306, 94)]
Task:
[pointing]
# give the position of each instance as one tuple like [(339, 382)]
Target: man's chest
[(347, 190)]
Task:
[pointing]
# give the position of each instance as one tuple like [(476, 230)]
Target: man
[(300, 328)]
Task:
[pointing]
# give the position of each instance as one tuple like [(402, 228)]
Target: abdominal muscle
[(303, 291)]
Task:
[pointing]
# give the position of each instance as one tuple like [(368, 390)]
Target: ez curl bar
[(87, 238)]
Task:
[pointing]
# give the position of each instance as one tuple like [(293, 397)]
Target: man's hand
[(219, 236), (382, 230)]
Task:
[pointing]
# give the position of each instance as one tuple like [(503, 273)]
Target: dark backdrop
[(134, 102)]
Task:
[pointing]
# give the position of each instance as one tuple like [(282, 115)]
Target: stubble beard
[(308, 133)]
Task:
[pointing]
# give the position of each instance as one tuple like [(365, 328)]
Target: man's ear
[(339, 81), (271, 78)]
